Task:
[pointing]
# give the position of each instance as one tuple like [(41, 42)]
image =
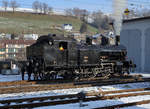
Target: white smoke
[(118, 9)]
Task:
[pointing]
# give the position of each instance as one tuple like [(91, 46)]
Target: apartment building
[(14, 49)]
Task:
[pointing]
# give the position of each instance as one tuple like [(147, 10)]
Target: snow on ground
[(4, 78), (144, 106), (145, 74), (9, 78), (90, 105), (74, 90), (103, 103)]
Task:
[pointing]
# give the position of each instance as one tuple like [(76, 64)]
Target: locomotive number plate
[(85, 58)]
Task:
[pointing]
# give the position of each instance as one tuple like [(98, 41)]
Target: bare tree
[(83, 28), (69, 12), (14, 5), (45, 8), (76, 12), (50, 9), (5, 4), (81, 14), (35, 5), (40, 7), (84, 15)]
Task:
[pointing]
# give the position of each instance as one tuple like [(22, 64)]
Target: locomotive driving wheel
[(83, 73), (98, 72), (41, 75), (106, 74), (52, 75)]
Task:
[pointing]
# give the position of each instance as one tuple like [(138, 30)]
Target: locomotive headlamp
[(61, 48)]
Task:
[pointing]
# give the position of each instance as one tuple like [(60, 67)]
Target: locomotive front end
[(115, 59)]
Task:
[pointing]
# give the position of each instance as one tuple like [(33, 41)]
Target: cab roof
[(54, 37)]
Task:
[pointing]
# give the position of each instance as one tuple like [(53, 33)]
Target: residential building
[(67, 27), (14, 49), (30, 36)]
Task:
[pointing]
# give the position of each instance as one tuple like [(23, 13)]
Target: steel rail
[(62, 102), (32, 88), (125, 105)]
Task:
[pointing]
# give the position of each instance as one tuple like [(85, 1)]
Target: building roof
[(49, 37), (137, 19), (67, 24), (27, 42)]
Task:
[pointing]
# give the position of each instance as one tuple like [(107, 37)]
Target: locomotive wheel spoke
[(106, 74), (96, 71), (41, 76)]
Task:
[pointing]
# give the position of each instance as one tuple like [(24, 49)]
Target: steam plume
[(118, 10)]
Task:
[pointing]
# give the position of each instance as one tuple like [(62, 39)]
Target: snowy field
[(90, 105), (4, 78)]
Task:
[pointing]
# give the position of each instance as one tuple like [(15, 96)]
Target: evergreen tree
[(83, 28)]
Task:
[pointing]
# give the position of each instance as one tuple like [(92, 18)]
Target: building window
[(11, 55), (22, 46), (2, 50), (8, 45), (1, 55), (11, 50), (11, 46)]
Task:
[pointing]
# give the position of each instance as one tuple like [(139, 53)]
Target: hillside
[(19, 22)]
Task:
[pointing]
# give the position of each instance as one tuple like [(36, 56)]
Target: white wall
[(135, 36)]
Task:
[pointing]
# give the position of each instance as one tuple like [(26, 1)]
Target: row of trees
[(99, 19), (40, 7), (37, 6), (79, 13), (12, 4)]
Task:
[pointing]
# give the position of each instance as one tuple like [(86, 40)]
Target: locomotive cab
[(67, 54), (60, 52)]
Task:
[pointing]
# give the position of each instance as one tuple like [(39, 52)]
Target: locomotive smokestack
[(118, 10)]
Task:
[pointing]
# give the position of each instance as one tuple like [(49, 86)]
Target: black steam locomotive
[(57, 56)]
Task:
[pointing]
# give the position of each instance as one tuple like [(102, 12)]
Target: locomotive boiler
[(57, 56)]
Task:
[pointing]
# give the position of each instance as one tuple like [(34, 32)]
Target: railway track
[(74, 98), (82, 81), (125, 105), (34, 86)]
